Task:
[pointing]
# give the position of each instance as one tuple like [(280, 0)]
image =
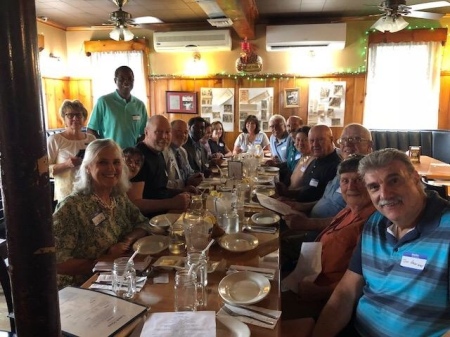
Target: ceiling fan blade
[(146, 20), (434, 4), (425, 15)]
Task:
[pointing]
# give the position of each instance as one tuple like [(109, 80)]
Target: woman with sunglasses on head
[(66, 149)]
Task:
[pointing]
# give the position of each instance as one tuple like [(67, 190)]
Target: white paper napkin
[(256, 312), (104, 282), (267, 272)]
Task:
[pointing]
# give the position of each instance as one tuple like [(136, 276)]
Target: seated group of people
[(385, 247)]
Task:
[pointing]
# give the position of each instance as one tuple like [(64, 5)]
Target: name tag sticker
[(136, 117), (313, 182), (98, 218), (283, 148), (297, 156), (413, 261), (303, 168), (338, 190)]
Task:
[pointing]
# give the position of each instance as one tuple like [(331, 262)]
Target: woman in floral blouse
[(97, 218)]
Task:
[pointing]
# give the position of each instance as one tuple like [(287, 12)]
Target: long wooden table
[(432, 168), (160, 297)]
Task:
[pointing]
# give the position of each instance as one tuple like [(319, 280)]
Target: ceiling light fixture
[(121, 33), (390, 23)]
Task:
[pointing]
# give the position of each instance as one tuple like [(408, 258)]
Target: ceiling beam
[(243, 13)]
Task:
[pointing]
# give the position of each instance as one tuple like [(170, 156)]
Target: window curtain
[(403, 81), (104, 65)]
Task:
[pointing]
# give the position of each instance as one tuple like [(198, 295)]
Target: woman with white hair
[(97, 218), (65, 149)]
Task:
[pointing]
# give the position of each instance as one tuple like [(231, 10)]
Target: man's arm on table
[(339, 309), (135, 193)]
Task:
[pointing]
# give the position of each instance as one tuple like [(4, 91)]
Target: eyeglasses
[(74, 115), (351, 140)]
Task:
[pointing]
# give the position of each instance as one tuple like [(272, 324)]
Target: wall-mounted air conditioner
[(291, 37), (202, 40)]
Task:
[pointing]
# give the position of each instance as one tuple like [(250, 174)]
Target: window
[(403, 82), (104, 65)]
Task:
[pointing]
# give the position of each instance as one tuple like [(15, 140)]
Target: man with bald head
[(179, 171), (149, 190), (322, 169)]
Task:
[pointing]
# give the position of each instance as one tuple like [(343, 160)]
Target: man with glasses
[(149, 190), (119, 115), (180, 173), (355, 139), (198, 158)]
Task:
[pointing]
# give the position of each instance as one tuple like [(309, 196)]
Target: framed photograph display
[(181, 102), (292, 98)]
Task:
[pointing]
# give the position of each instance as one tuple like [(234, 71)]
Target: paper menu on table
[(87, 313), (275, 205), (180, 324), (309, 266)]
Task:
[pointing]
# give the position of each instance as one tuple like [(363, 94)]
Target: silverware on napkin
[(230, 312), (263, 313)]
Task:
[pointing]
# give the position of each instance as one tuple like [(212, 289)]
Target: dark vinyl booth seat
[(434, 143)]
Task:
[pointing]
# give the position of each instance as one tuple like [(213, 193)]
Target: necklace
[(108, 206)]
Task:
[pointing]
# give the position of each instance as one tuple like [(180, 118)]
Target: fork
[(235, 314)]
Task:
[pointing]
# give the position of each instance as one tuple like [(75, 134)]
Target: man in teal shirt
[(119, 115)]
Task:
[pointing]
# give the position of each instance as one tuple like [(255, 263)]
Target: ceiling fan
[(393, 12), (121, 20)]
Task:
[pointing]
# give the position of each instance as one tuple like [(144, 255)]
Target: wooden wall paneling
[(444, 103), (56, 91), (81, 89)]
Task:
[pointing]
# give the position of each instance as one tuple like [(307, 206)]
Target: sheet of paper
[(180, 324), (309, 265), (87, 313), (275, 205)]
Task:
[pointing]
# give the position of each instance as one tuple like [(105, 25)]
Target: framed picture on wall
[(292, 98), (181, 102)]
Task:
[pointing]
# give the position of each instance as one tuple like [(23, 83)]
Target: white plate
[(178, 262), (152, 244), (161, 223), (238, 242), (244, 287), (271, 169), (265, 218), (264, 180), (231, 327), (264, 189)]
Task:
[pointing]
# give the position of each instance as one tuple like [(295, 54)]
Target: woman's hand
[(118, 249), (73, 162)]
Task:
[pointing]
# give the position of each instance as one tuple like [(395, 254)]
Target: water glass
[(177, 241), (229, 222), (197, 262), (196, 231), (124, 278), (185, 291)]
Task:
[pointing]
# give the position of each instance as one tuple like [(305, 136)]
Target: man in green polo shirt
[(119, 115)]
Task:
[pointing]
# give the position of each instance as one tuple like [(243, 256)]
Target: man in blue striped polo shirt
[(398, 278)]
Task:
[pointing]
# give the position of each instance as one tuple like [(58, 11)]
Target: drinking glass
[(185, 291), (124, 278)]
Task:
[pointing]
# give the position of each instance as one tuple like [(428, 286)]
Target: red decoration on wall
[(249, 61)]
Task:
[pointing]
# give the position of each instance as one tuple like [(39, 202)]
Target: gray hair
[(383, 158), (83, 181), (278, 118), (74, 105)]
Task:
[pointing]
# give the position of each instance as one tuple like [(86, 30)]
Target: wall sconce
[(196, 66), (53, 56)]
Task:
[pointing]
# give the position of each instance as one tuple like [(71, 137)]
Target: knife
[(255, 311)]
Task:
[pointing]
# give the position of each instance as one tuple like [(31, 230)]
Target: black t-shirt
[(154, 174)]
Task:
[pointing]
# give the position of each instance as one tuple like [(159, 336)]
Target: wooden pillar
[(24, 174)]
